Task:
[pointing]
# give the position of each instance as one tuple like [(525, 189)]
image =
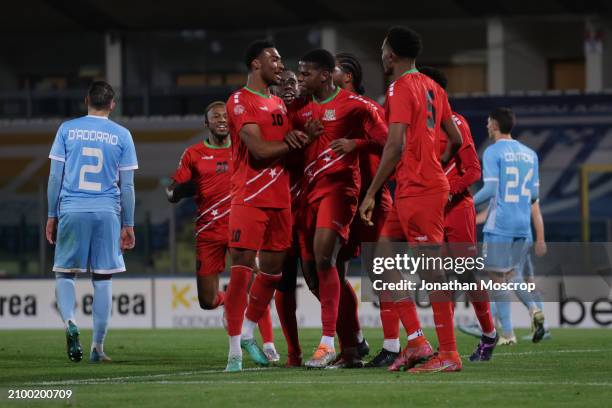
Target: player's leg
[(210, 263), (424, 228), (286, 307), (265, 328), (246, 229), (101, 312), (333, 219), (521, 255), (326, 245), (391, 232), (460, 237), (497, 253), (276, 239), (71, 257), (106, 260)]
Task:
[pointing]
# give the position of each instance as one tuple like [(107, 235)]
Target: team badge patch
[(330, 114), (238, 109)]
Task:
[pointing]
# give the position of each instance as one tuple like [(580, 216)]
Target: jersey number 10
[(92, 169)]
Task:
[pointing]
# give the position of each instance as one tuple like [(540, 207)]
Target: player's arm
[(376, 132), (470, 164), (481, 217), (261, 149), (490, 178), (538, 225), (128, 202), (175, 192), (454, 139), (392, 154), (54, 187)]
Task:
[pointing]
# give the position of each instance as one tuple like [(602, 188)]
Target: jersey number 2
[(92, 169)]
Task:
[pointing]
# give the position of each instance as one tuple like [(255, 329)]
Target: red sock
[(347, 324), (265, 327), (443, 319), (407, 313), (262, 292), (220, 299), (480, 302), (329, 293), (390, 320), (286, 307), (236, 298)]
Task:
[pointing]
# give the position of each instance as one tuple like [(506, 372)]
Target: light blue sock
[(102, 304), (504, 313), (493, 307), (524, 296), (537, 298), (65, 295)]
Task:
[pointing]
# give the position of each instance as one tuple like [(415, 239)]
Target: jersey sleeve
[(128, 159), (58, 149), (376, 131), (399, 104), (242, 112), (467, 159), (490, 166), (535, 187), (183, 172)]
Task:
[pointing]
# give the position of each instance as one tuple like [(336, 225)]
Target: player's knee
[(325, 262), (208, 303), (65, 275)]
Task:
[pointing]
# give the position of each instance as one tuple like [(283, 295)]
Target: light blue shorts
[(504, 254), (88, 241)]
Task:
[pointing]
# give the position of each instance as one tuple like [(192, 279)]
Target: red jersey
[(463, 169), (209, 167), (368, 166), (417, 101), (343, 115), (258, 183)]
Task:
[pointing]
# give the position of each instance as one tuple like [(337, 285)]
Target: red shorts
[(392, 228), (460, 229), (334, 211), (421, 218), (211, 256), (360, 232), (265, 229)]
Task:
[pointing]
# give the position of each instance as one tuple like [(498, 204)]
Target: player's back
[(416, 100), (517, 172), (94, 150)]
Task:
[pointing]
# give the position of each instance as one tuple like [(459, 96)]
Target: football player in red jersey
[(204, 172), (330, 188), (348, 75), (416, 107), (284, 296), (260, 216)]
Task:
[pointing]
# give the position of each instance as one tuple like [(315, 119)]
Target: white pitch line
[(327, 381), (124, 379), (144, 378)]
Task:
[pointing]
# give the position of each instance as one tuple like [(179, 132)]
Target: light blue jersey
[(514, 167), (94, 150)]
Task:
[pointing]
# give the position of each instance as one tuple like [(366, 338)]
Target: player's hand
[(128, 239), (296, 139), (366, 208), (541, 248), (51, 230), (342, 146), (313, 129)]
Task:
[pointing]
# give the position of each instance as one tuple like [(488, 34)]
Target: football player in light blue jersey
[(91, 211), (511, 184)]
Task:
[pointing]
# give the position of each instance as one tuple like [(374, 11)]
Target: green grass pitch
[(183, 368)]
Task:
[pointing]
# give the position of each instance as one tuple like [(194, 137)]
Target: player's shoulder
[(528, 149)]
